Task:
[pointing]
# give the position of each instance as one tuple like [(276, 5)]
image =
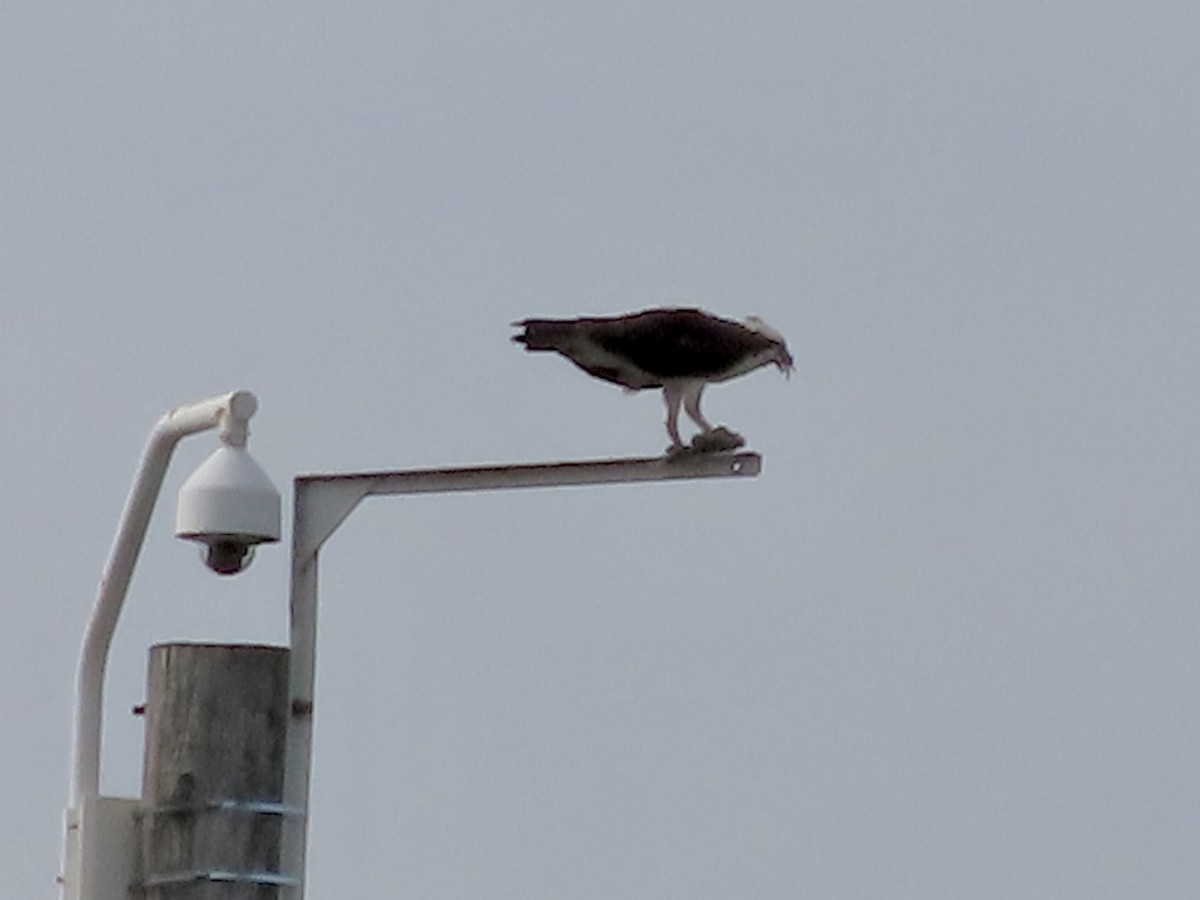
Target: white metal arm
[(231, 412)]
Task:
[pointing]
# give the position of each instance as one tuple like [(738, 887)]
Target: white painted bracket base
[(102, 841)]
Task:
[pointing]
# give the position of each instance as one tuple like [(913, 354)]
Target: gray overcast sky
[(945, 646)]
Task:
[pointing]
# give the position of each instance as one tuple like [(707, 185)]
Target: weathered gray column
[(216, 727)]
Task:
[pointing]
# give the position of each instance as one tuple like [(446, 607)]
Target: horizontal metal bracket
[(251, 807), (274, 879), (228, 876), (324, 501)]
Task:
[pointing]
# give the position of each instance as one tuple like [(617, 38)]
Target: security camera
[(227, 554), (229, 506)]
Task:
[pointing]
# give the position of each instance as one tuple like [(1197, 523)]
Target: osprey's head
[(778, 353)]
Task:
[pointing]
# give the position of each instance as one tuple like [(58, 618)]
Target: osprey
[(678, 350)]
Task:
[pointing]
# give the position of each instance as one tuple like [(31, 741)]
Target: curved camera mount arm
[(231, 412)]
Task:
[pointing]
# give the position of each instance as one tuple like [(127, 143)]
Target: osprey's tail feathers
[(545, 334)]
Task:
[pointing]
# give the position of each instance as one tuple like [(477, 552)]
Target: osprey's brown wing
[(643, 350), (675, 343)]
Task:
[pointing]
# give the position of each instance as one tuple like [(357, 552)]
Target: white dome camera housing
[(230, 506)]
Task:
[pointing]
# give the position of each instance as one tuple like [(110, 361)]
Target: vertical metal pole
[(319, 508), (301, 678)]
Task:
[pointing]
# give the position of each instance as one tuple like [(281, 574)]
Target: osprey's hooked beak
[(784, 362)]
